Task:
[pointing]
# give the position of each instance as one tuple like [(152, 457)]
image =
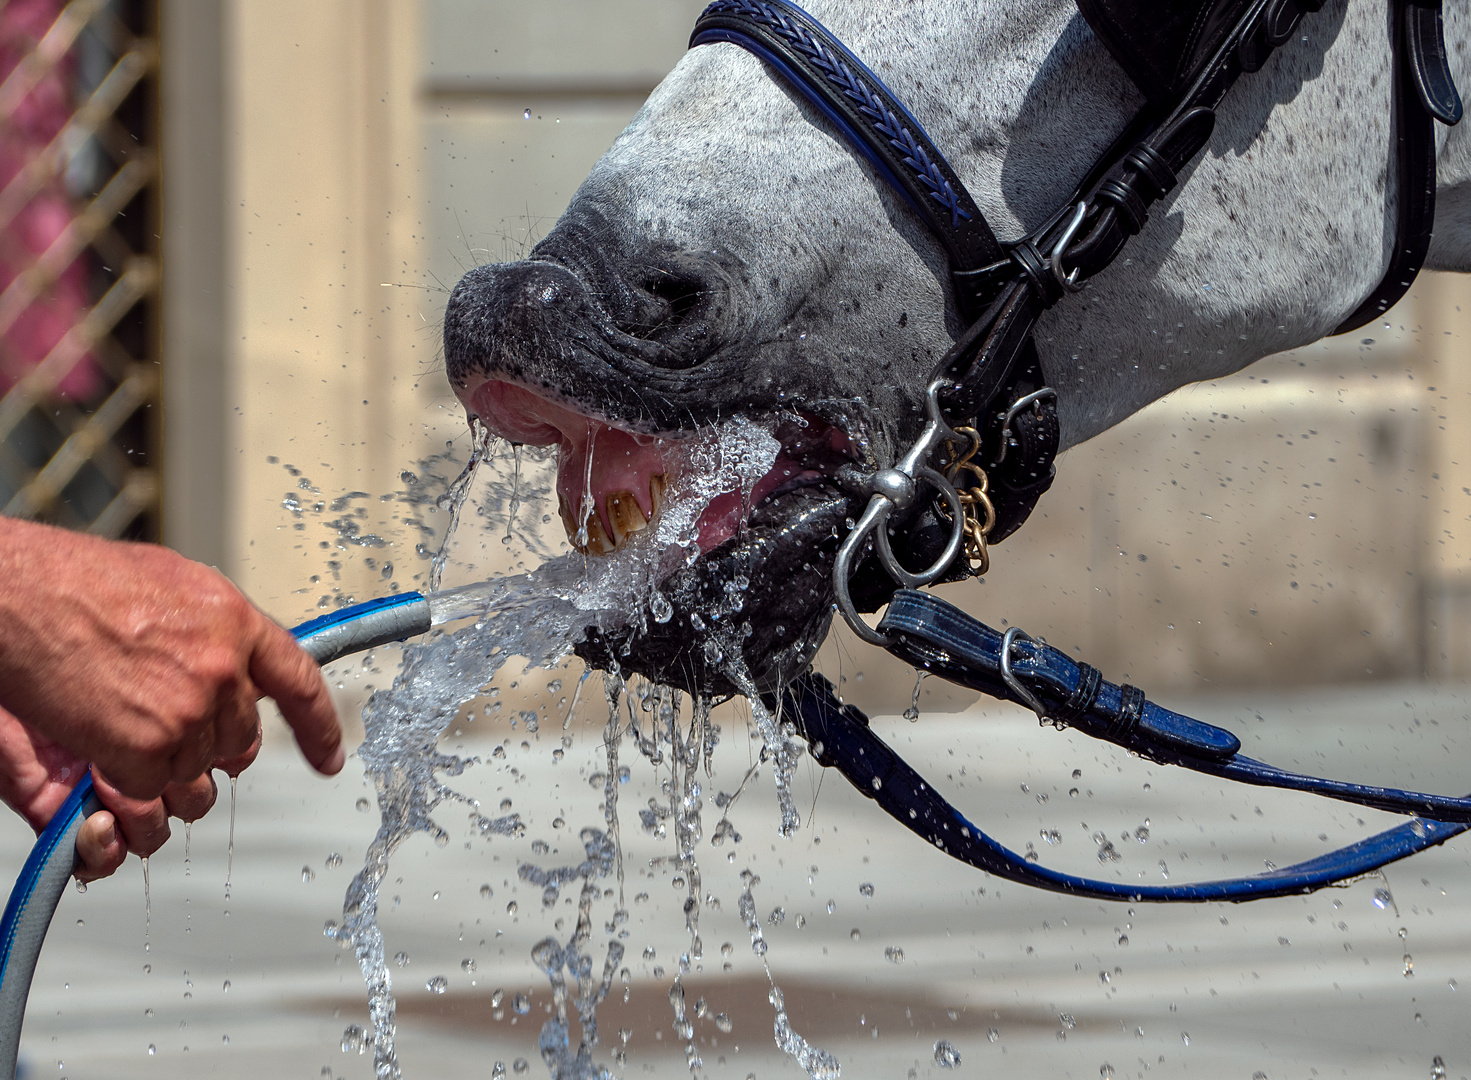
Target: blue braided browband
[(865, 111)]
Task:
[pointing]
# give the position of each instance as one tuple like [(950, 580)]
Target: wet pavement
[(1017, 982)]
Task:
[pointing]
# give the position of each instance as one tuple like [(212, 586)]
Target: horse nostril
[(679, 295)]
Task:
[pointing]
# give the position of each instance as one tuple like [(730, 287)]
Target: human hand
[(36, 776), (145, 663)]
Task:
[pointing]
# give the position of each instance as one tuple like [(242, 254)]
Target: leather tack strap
[(875, 123), (840, 737), (1423, 93)]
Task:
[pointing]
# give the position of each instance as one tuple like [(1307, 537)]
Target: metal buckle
[(1034, 398), (1014, 684), (896, 489), (1067, 281)]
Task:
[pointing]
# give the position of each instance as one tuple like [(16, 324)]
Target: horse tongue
[(609, 479)]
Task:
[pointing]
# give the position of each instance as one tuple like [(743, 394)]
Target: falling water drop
[(946, 1056), (230, 850), (147, 906)]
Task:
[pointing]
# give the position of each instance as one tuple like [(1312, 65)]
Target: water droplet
[(526, 116), (722, 1021), (437, 985), (152, 1049), (467, 964), (992, 1035), (946, 1056), (1382, 898), (1105, 1071), (512, 908), (362, 805), (401, 959), (1409, 966), (334, 860), (854, 934), (894, 955), (1123, 939), (486, 892), (308, 874), (355, 1040), (225, 989), (866, 889), (521, 1004)]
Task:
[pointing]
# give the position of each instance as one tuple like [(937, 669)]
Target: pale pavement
[(1299, 987)]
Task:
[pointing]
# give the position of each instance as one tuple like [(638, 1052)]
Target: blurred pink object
[(24, 134)]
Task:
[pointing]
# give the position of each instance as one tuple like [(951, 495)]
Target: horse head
[(732, 257)]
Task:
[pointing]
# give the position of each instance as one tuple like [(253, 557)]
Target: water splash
[(820, 1064), (778, 739), (482, 447), (558, 961), (539, 617)]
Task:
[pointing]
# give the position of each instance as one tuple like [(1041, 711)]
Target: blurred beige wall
[(1303, 522)]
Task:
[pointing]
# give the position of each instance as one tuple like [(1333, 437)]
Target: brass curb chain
[(975, 501)]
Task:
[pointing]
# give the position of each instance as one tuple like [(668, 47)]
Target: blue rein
[(939, 638)]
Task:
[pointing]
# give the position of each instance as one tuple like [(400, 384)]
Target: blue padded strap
[(938, 637), (839, 736)]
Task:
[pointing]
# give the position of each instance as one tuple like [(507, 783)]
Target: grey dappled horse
[(731, 255)]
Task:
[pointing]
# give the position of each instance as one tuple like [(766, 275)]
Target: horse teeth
[(656, 494), (625, 517), (595, 541), (568, 521), (598, 540)]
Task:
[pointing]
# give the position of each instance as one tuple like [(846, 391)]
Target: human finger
[(234, 766), (282, 669), (191, 801), (100, 847), (144, 823)]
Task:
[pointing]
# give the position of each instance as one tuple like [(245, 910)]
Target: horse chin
[(757, 607)]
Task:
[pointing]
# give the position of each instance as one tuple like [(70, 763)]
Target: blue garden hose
[(51, 863)]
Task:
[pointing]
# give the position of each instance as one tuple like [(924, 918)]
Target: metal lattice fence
[(79, 278)]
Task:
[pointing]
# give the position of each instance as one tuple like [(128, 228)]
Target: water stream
[(537, 618)]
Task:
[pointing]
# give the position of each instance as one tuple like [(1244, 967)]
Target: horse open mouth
[(611, 481), (754, 550)]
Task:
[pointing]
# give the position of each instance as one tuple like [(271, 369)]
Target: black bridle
[(1184, 57), (987, 449)]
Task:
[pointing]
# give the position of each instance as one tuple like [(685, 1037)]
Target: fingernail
[(333, 765)]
